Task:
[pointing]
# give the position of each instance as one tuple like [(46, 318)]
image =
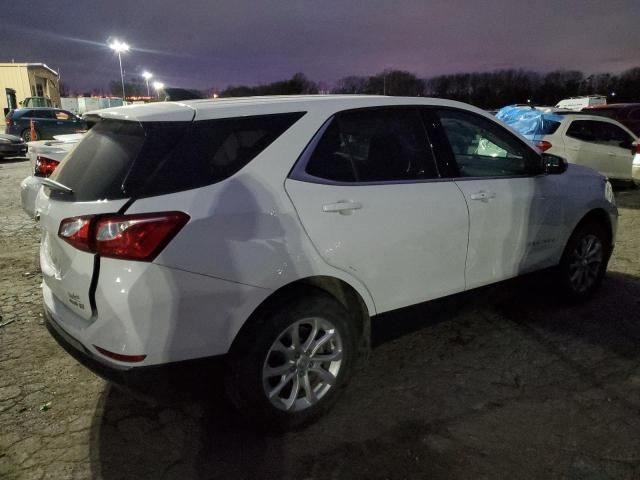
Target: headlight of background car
[(608, 193)]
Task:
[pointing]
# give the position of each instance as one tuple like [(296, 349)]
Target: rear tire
[(291, 365), (26, 135), (584, 262)]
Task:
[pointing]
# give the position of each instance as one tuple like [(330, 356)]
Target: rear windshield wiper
[(53, 185)]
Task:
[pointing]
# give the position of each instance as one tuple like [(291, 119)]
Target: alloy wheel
[(585, 263), (302, 364)]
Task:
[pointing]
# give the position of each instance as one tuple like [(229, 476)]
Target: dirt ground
[(503, 383)]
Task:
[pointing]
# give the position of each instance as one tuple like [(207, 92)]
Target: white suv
[(271, 230), (590, 140)]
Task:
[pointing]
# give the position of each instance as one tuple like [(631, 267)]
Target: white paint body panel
[(255, 232), (517, 228), (407, 242), (635, 169)]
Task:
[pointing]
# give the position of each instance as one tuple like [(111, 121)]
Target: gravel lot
[(503, 383)]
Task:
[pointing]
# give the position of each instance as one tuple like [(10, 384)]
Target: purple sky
[(205, 43)]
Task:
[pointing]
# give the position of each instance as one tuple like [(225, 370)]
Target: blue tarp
[(528, 121)]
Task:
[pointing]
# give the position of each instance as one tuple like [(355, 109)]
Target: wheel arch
[(340, 290), (598, 216)]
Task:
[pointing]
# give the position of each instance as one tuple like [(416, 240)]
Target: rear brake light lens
[(543, 145), (131, 237), (45, 166), (638, 148), (76, 231)]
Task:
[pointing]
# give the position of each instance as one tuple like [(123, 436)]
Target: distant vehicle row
[(594, 141), (48, 122)]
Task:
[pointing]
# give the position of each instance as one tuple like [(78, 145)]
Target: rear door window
[(122, 159), (374, 145), (582, 130), (44, 114)]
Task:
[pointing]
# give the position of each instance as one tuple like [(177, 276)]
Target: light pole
[(119, 47), (158, 86), (147, 76)]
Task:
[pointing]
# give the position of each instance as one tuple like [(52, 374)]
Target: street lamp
[(147, 76), (158, 86), (119, 47)]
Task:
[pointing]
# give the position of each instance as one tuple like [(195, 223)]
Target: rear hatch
[(104, 171)]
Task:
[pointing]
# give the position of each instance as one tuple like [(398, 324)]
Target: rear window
[(121, 159), (549, 127)]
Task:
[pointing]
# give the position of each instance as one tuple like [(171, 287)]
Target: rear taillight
[(638, 148), (8, 122), (76, 231), (45, 166), (131, 237), (543, 145)]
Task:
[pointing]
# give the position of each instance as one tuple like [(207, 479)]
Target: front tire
[(290, 366), (584, 262)]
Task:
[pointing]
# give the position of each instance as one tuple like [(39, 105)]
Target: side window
[(210, 151), (582, 130), (43, 114), (614, 135), (482, 149), (62, 115), (374, 145)]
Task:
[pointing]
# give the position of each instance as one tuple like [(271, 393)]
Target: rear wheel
[(290, 367), (26, 135), (584, 262)]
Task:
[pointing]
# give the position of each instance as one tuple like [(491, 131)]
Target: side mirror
[(553, 164)]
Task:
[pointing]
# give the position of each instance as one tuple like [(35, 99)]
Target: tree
[(135, 87), (395, 82), (351, 85), (296, 85)]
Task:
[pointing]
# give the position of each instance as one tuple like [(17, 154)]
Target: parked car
[(597, 142), (271, 230), (628, 114), (45, 156), (635, 167), (12, 146), (48, 122)]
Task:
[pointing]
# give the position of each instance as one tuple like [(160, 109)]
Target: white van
[(578, 103)]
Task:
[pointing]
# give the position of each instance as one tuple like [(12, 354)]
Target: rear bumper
[(635, 171), (165, 314), (83, 355), (137, 380)]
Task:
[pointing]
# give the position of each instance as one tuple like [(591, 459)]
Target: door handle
[(482, 196), (343, 207), (611, 154)]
